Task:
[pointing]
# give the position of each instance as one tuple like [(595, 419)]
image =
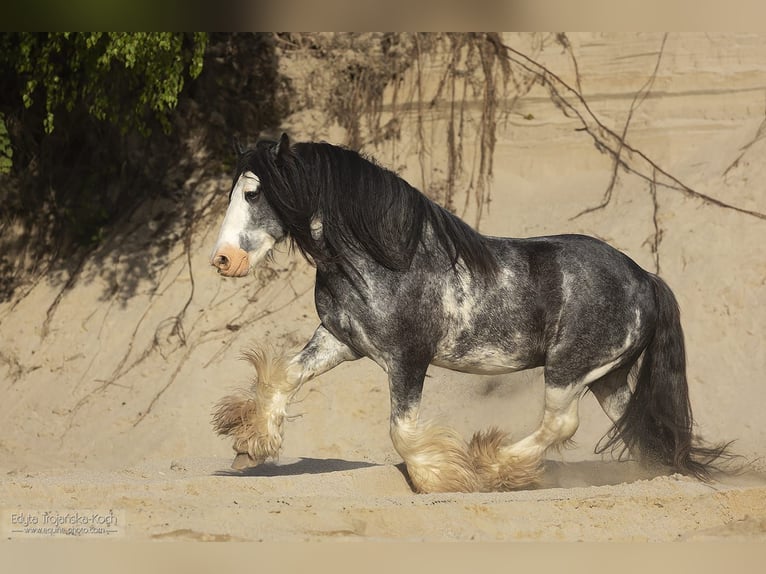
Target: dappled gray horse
[(401, 280)]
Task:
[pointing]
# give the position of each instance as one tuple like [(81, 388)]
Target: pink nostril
[(222, 262), (231, 261)]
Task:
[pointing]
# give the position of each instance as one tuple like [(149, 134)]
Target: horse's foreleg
[(254, 418), (436, 457)]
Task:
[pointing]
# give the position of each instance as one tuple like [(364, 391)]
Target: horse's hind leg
[(436, 457), (613, 393), (254, 417), (519, 465)]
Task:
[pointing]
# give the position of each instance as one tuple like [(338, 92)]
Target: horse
[(403, 281)]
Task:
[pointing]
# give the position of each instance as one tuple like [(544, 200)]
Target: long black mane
[(362, 206)]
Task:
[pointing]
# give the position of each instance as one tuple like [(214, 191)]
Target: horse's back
[(580, 266), (590, 296)]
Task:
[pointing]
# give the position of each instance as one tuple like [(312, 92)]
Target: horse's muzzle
[(231, 261)]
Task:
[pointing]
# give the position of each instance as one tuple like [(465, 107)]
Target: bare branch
[(759, 135), (638, 98), (563, 39), (635, 161), (656, 238)]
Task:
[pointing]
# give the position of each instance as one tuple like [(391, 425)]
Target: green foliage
[(75, 113), (120, 77)]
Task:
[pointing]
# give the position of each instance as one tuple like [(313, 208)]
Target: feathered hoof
[(240, 417), (254, 417), (244, 460), (436, 458), (498, 467), (447, 473)]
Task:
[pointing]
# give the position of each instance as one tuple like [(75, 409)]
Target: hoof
[(243, 460)]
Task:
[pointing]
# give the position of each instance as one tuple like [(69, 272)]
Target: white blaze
[(235, 223)]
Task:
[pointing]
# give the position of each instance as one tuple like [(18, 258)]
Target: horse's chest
[(358, 320)]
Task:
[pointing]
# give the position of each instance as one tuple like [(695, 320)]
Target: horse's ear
[(239, 149), (283, 147)]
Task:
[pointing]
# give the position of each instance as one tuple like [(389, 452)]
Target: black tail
[(657, 424)]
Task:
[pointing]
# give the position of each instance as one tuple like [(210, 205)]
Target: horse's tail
[(657, 424)]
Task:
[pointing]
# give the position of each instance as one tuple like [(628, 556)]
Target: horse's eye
[(251, 196)]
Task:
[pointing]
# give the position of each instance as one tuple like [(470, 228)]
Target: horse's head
[(251, 227)]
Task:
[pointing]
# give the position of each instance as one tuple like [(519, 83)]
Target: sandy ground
[(108, 384)]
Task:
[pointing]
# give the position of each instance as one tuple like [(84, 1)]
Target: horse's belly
[(483, 360)]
